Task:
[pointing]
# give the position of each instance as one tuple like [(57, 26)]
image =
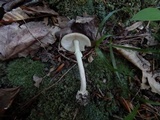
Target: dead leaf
[(10, 4), (59, 68), (127, 104), (90, 58), (63, 22), (37, 80), (25, 39), (83, 19), (148, 76), (6, 98), (15, 15), (54, 71), (86, 26), (23, 13), (134, 57), (37, 10), (51, 71), (135, 26), (2, 2)]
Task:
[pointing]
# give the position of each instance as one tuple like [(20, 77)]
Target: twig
[(59, 78), (67, 57), (131, 36)]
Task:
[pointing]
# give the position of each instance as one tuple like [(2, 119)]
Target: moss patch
[(59, 103), (20, 73)]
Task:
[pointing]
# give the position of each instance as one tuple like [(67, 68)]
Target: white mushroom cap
[(68, 41)]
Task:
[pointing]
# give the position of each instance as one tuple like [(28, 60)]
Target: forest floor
[(39, 79)]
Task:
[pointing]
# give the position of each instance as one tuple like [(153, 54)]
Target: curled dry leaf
[(135, 26), (145, 67), (135, 58), (6, 98), (22, 40), (150, 77)]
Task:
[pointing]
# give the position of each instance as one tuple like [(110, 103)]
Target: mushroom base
[(82, 98)]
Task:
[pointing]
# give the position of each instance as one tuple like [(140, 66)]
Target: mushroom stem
[(78, 55), (76, 42)]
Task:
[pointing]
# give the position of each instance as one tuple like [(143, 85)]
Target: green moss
[(20, 73), (3, 78), (59, 103), (100, 8), (73, 8), (103, 76)]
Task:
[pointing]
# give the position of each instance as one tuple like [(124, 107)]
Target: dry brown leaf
[(83, 19), (15, 15), (22, 13), (148, 76), (127, 104), (37, 10), (23, 40), (90, 58), (135, 26), (63, 21), (10, 4), (6, 98), (53, 71), (86, 26), (2, 2)]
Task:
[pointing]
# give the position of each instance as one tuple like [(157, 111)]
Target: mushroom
[(76, 42)]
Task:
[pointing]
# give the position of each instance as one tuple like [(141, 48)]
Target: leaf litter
[(7, 96), (20, 39)]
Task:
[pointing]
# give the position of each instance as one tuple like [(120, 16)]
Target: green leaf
[(102, 56), (114, 61), (132, 115), (98, 42), (147, 14), (150, 102), (147, 50)]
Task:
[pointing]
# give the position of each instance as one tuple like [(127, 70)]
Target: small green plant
[(131, 116)]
